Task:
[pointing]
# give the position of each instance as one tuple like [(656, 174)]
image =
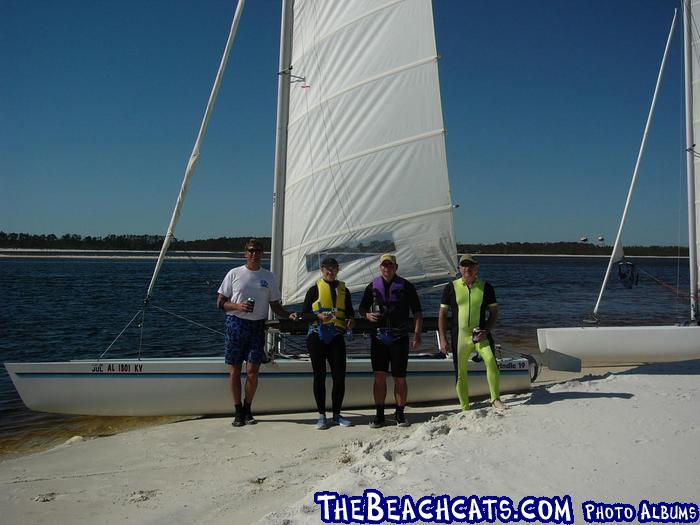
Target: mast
[(283, 83), (617, 247), (690, 157), (194, 156)]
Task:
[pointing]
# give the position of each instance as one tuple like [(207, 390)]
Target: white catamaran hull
[(196, 386), (571, 348)]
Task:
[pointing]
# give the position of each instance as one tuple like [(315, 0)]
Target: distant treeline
[(236, 244), (568, 248), (72, 241)]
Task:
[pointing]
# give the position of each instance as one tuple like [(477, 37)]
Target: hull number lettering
[(118, 368)]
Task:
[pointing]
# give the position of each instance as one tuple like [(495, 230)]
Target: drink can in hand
[(250, 304)]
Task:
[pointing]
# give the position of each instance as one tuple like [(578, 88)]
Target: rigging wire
[(432, 289), (209, 283), (141, 325), (120, 334), (680, 295), (188, 320)]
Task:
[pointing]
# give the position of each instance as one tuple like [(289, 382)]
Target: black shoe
[(400, 419), (238, 420), (377, 422), (248, 415)]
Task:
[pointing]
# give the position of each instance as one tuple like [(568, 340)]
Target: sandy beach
[(618, 436)]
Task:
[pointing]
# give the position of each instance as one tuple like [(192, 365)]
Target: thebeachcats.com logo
[(374, 507)]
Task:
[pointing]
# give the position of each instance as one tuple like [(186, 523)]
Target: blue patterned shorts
[(244, 340)]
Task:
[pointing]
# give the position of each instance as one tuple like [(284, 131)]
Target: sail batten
[(321, 37), (329, 98), (361, 154), (389, 221)]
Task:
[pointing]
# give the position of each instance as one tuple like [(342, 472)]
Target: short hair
[(329, 262), (255, 243)]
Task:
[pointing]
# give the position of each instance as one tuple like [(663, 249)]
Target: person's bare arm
[(223, 303), (417, 331), (280, 311), (442, 329)]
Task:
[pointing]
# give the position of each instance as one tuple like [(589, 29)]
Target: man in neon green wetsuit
[(474, 314)]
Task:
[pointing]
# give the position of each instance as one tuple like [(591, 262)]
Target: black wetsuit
[(333, 352)]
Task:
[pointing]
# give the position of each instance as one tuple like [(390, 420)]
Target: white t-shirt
[(242, 283)]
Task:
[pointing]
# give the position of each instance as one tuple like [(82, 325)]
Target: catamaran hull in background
[(196, 386), (571, 348)]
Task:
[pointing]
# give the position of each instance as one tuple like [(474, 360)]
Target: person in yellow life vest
[(474, 314), (328, 306)]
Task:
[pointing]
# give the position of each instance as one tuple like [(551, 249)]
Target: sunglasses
[(254, 250), (387, 264), (468, 264)]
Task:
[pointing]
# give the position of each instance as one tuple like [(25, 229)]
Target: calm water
[(55, 310)]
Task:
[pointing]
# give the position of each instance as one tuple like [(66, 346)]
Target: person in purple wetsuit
[(388, 301)]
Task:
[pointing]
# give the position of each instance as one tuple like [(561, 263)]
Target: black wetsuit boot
[(378, 419), (400, 417), (238, 419), (247, 414)]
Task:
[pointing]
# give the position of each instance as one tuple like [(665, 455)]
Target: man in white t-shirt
[(245, 295)]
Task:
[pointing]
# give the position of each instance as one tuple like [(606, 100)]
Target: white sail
[(366, 163)]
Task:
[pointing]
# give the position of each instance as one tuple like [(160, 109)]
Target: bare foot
[(498, 404)]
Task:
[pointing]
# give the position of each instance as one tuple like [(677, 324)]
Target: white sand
[(619, 437)]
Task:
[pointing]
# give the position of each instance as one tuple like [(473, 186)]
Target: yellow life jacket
[(325, 303)]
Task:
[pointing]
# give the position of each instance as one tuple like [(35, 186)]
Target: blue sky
[(544, 102)]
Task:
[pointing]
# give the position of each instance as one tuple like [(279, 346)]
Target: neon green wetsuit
[(469, 306)]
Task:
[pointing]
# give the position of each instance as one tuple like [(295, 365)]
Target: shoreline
[(613, 435), (40, 253), (99, 427)]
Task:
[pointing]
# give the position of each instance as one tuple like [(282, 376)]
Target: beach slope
[(614, 437)]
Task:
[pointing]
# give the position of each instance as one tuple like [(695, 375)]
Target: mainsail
[(366, 164)]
